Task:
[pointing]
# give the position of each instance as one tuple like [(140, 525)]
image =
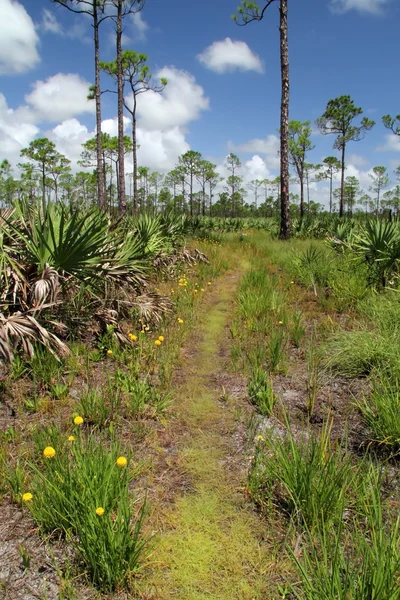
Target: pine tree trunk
[(101, 193), (120, 84), (284, 128), (330, 193), (302, 196), (134, 156), (341, 206)]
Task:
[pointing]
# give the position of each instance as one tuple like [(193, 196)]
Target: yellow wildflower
[(78, 420), (280, 322), (121, 461), (157, 343), (161, 338), (260, 437), (71, 438), (49, 452), (202, 290), (132, 337), (100, 511), (27, 497), (209, 283), (180, 321), (147, 328), (109, 352)]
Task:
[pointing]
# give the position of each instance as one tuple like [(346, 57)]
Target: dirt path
[(210, 543)]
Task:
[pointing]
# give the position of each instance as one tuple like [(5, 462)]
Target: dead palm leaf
[(24, 331)]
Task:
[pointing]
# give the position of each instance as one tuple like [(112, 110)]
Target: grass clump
[(381, 413), (308, 479), (354, 565), (261, 393), (81, 490)]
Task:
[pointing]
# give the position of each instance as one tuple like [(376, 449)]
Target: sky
[(223, 91)]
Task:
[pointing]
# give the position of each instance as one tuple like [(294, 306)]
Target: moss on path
[(210, 541)]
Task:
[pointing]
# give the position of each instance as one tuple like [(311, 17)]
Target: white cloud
[(368, 6), (15, 134), (255, 168), (268, 146), (229, 55), (182, 101), (159, 150), (357, 160), (60, 97), (68, 137), (391, 143), (50, 23), (140, 27), (18, 39)]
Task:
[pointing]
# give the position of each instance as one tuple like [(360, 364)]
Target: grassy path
[(210, 543)]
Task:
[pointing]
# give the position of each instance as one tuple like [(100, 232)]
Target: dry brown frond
[(21, 330)]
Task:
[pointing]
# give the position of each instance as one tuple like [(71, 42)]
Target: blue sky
[(227, 101)]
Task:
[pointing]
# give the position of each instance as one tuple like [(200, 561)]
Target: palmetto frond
[(152, 307), (46, 288), (21, 330)]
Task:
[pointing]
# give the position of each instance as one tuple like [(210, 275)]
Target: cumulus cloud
[(391, 143), (140, 27), (60, 97), (229, 55), (15, 133), (268, 146), (18, 39), (182, 101), (367, 6)]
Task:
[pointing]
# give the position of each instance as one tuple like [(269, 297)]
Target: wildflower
[(260, 437), (157, 343), (209, 283), (202, 290), (161, 338), (78, 420), (195, 291), (49, 452), (172, 291), (292, 282), (132, 337), (100, 511), (147, 328), (27, 497), (121, 461), (142, 331), (71, 438), (280, 322), (109, 352), (180, 321)]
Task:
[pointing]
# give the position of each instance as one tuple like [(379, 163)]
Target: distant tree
[(156, 180), (380, 180), (248, 12), (254, 187), (234, 181), (365, 201), (311, 174), (136, 73), (213, 179), (143, 176), (338, 119), (45, 158), (205, 172), (190, 166), (330, 167), (392, 123), (8, 185), (299, 145), (351, 192), (59, 170)]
